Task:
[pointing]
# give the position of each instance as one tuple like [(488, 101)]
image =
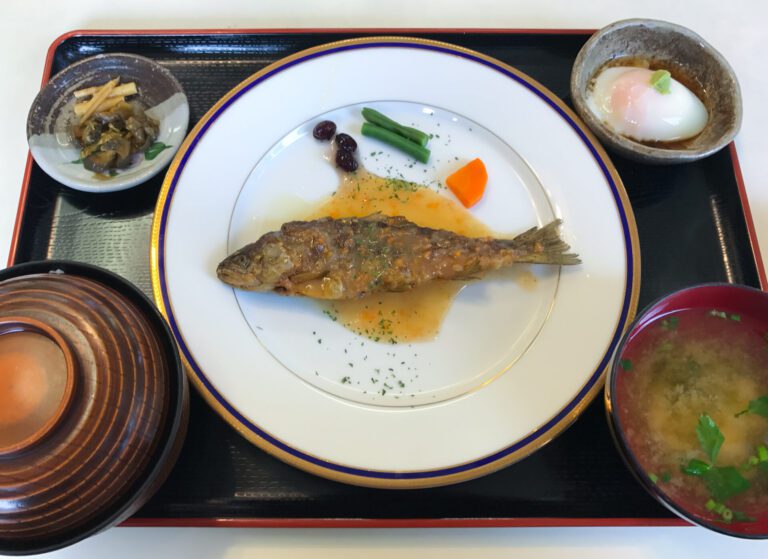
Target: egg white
[(625, 100)]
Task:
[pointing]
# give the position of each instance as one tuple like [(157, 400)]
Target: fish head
[(259, 266)]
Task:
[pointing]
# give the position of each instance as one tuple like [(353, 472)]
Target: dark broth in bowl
[(692, 401)]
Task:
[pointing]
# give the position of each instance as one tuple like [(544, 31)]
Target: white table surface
[(736, 28)]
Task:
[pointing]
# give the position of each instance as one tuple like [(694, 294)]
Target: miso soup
[(692, 401)]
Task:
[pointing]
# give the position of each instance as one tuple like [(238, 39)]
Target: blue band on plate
[(541, 431)]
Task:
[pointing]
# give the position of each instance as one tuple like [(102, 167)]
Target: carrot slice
[(468, 183)]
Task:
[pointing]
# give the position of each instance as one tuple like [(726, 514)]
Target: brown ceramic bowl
[(93, 403), (689, 58)]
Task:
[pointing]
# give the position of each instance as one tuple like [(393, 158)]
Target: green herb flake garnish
[(345, 380), (154, 150), (666, 477), (710, 437), (717, 314), (695, 468), (77, 161), (626, 364), (735, 317), (661, 80), (653, 477), (710, 505), (724, 483), (670, 323)]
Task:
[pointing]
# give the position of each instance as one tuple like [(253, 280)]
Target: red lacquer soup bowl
[(687, 403)]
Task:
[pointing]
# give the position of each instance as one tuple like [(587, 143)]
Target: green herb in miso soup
[(757, 407), (722, 482), (710, 437)]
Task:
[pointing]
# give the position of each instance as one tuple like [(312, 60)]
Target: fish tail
[(542, 245)]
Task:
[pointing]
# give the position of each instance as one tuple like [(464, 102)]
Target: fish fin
[(542, 245)]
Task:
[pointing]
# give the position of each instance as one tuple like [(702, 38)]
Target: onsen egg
[(626, 99)]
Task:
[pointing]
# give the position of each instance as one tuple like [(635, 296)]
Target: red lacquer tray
[(694, 226)]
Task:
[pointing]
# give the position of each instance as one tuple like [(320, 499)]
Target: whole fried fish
[(351, 257)]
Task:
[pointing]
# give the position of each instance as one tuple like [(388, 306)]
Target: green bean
[(375, 117), (413, 149)]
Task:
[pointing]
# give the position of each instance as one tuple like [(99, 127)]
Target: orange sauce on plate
[(412, 315)]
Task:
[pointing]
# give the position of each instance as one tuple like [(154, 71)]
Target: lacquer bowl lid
[(92, 403)]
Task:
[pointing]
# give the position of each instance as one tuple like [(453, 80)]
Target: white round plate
[(515, 361)]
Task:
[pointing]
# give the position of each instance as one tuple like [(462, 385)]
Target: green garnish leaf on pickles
[(154, 150), (661, 80), (710, 437)]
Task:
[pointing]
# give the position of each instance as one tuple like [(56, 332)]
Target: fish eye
[(241, 260)]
